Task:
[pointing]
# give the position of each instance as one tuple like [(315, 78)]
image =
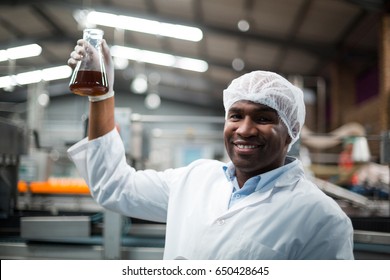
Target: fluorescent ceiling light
[(20, 52), (56, 73), (140, 84), (146, 26), (31, 77), (7, 81), (160, 58), (3, 55), (191, 64)]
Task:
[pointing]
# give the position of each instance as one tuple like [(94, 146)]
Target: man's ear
[(288, 139)]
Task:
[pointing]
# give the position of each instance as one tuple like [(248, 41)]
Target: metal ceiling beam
[(321, 51), (297, 24), (40, 12)]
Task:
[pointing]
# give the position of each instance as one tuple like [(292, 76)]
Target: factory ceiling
[(292, 37)]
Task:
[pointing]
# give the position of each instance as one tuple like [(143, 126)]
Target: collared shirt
[(259, 183)]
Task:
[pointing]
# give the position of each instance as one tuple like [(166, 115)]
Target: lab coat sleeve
[(117, 186)]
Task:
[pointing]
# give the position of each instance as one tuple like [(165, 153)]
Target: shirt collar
[(269, 177), (230, 171), (261, 180)]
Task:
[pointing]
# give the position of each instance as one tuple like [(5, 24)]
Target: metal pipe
[(176, 119)]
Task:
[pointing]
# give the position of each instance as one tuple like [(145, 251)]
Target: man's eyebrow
[(267, 109), (234, 109)]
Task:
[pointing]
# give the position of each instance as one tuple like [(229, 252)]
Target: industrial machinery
[(13, 144)]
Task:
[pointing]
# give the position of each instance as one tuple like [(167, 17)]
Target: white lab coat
[(292, 220)]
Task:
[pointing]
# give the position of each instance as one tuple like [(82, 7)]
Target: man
[(258, 206)]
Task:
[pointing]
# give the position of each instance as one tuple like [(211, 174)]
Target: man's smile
[(246, 146)]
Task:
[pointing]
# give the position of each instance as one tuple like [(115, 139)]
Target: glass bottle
[(89, 77)]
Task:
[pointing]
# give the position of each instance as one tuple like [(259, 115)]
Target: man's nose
[(247, 128)]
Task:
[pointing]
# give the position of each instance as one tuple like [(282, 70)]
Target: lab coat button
[(220, 222)]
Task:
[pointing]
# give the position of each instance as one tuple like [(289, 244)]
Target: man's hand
[(91, 59)]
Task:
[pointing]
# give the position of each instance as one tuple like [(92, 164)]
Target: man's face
[(256, 139)]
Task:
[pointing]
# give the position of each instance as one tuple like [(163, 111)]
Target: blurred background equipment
[(13, 144)]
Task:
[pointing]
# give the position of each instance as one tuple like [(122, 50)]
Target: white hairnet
[(274, 91)]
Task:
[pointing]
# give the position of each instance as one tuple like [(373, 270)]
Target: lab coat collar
[(288, 178)]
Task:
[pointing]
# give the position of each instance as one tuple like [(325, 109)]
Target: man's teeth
[(246, 146)]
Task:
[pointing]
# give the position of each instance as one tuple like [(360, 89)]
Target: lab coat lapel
[(287, 179), (221, 204), (254, 198)]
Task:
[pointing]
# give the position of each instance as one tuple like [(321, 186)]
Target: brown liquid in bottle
[(89, 83)]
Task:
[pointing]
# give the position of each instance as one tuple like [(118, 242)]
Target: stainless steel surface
[(112, 234), (16, 250), (56, 203), (147, 230), (342, 193), (371, 245), (55, 228), (372, 237)]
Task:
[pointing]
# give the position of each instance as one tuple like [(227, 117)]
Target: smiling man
[(255, 138), (259, 205)]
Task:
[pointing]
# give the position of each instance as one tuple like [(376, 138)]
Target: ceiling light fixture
[(238, 64), (7, 82), (152, 101), (177, 31), (162, 59), (31, 77), (139, 84), (243, 25), (56, 73), (20, 52)]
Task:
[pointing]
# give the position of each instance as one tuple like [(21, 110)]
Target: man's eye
[(234, 116), (266, 119), (263, 120)]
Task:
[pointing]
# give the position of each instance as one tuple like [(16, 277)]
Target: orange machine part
[(55, 186)]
